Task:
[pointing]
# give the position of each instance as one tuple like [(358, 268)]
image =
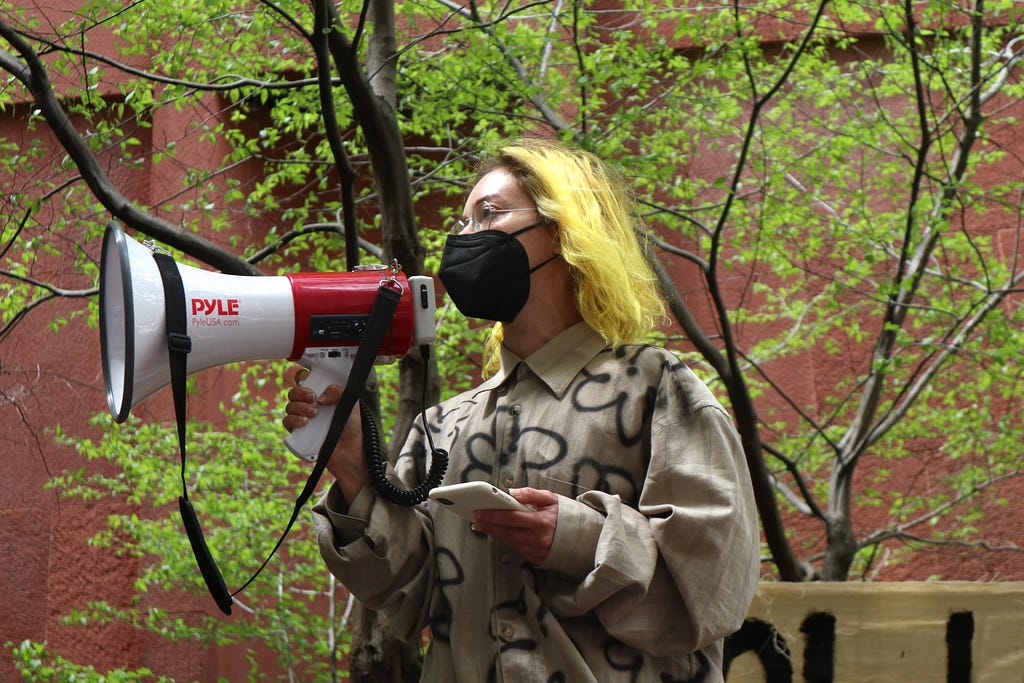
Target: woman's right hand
[(347, 463)]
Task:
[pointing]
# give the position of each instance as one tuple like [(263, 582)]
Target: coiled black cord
[(377, 466)]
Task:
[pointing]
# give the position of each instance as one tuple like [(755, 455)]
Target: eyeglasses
[(482, 214)]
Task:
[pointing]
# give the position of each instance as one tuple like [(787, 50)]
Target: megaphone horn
[(314, 319)]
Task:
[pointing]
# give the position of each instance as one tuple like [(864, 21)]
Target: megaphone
[(314, 319)]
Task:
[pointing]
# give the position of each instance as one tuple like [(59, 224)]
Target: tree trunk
[(842, 546), (842, 543), (375, 658)]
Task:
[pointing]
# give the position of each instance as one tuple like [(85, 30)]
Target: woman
[(641, 551)]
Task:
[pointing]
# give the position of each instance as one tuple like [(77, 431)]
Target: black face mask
[(487, 273)]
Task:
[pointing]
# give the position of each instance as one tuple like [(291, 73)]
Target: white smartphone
[(466, 498)]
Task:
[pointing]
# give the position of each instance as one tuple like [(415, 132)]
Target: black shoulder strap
[(376, 330), (179, 345)]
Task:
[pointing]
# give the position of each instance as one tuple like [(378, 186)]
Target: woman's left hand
[(528, 533)]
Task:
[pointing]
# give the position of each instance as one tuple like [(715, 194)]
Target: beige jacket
[(655, 556)]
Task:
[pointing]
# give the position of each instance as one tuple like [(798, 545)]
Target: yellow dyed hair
[(616, 292)]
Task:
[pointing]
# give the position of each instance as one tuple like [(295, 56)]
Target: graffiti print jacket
[(655, 555)]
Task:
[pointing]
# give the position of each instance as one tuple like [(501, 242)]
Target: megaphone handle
[(324, 370)]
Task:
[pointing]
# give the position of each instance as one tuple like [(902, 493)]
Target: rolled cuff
[(576, 535), (347, 522)]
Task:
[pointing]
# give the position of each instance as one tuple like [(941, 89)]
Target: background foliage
[(833, 189)]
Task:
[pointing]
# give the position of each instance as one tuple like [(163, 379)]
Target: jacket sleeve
[(381, 553), (678, 572)]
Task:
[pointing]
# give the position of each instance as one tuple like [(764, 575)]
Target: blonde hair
[(616, 291)]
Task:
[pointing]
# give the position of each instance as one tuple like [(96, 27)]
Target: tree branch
[(33, 75)]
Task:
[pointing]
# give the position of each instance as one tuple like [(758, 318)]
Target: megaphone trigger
[(326, 366)]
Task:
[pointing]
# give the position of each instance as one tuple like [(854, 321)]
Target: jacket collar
[(556, 363)]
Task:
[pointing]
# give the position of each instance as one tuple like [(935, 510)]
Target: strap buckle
[(179, 343)]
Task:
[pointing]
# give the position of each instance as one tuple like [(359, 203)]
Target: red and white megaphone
[(314, 319)]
